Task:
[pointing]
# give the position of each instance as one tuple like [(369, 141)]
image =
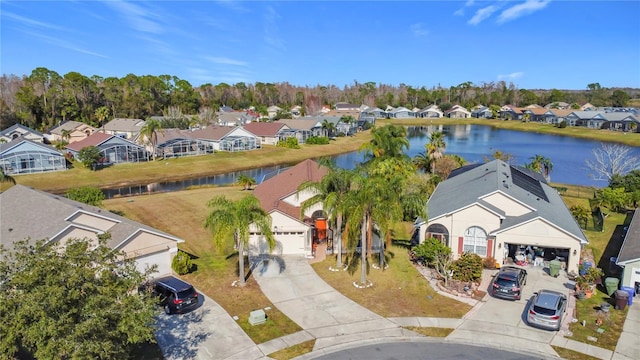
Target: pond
[(473, 142)]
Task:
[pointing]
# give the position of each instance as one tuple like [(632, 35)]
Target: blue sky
[(536, 44)]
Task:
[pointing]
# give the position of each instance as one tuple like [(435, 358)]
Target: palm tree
[(150, 131), (330, 191), (542, 165), (246, 181), (387, 141), (65, 134), (233, 221), (102, 113), (6, 178), (328, 127), (422, 161), (435, 148)]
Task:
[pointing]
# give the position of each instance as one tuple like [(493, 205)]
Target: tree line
[(44, 98)]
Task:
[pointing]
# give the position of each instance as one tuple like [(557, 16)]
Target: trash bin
[(622, 297), (630, 291), (611, 283), (554, 268)]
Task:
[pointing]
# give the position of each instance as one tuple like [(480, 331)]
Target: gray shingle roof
[(630, 250), (37, 215), (469, 185)]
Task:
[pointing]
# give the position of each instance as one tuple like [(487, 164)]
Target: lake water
[(473, 142)]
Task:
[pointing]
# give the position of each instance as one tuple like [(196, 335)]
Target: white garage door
[(161, 259)]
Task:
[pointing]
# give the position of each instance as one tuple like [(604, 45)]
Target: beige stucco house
[(280, 198), (32, 214), (496, 209)]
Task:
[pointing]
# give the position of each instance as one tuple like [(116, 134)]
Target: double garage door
[(162, 259)]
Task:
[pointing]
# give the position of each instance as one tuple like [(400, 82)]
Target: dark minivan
[(508, 282), (175, 295)]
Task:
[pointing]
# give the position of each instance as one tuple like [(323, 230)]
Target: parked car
[(546, 309), (508, 282), (175, 295)]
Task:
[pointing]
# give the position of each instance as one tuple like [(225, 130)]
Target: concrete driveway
[(206, 332), (503, 322)]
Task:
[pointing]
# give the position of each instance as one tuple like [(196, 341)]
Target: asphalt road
[(424, 350)]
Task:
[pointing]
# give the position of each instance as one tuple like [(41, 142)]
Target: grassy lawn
[(398, 291), (293, 351), (430, 331), (569, 354), (185, 167)]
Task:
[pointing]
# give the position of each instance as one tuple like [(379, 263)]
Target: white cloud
[(460, 12), (30, 22), (226, 61), (525, 8), (482, 14), (138, 17), (512, 76), (65, 44), (418, 30)]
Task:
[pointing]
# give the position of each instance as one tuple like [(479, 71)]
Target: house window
[(475, 241)]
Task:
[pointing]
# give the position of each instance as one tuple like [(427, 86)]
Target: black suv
[(508, 282), (175, 295)]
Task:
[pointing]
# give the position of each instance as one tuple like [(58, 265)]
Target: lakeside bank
[(184, 168)]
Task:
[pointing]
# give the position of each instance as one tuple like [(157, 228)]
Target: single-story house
[(590, 119), (234, 118), (268, 132), (228, 138), (509, 112), (401, 113), (458, 112), (629, 255), (273, 111), (71, 131), (587, 107), (376, 112), (540, 115), (301, 128), (560, 115), (482, 112), (280, 198), (24, 156), (622, 121), (431, 111), (114, 149), (177, 142), (124, 127), (496, 209), (20, 131), (37, 215)]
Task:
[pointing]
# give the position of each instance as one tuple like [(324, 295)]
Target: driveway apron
[(294, 288), (207, 332)]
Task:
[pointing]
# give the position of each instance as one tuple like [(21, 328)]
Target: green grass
[(398, 291), (587, 310), (293, 351), (569, 354), (430, 331)]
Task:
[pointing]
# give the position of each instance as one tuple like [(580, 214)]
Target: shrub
[(562, 124), (181, 263), (86, 194), (489, 262), (290, 143), (317, 140), (467, 268)]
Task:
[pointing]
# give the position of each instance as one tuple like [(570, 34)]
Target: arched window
[(475, 241), (439, 232)]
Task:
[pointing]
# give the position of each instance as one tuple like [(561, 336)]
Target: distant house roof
[(343, 106), (300, 124), (537, 110), (272, 191), (265, 128), (561, 112), (69, 125), (19, 130), (587, 114), (94, 139), (124, 124), (171, 134), (620, 116), (214, 133), (630, 249)]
